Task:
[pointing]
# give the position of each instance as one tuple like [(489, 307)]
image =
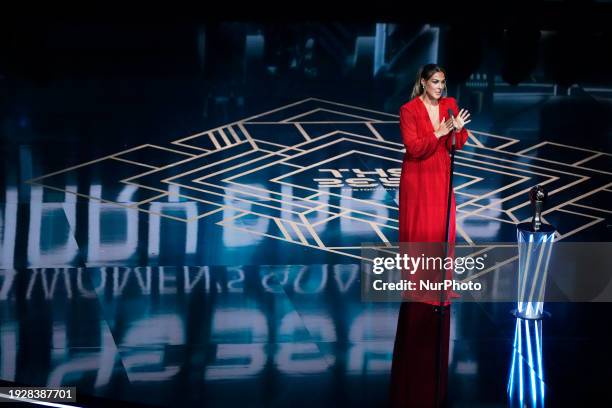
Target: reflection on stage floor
[(224, 266)]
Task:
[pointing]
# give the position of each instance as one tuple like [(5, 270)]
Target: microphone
[(451, 115)]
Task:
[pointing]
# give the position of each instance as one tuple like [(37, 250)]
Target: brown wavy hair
[(425, 72)]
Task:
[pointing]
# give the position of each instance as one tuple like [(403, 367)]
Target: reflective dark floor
[(163, 260), (273, 336)]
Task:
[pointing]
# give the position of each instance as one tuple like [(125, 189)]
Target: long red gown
[(423, 191), (425, 173), (423, 199)]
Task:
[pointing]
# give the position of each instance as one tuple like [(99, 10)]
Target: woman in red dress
[(426, 133), (426, 127)]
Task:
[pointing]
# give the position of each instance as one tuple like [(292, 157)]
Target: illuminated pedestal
[(535, 248), (526, 387)]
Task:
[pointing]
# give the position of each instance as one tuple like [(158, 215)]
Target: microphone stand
[(441, 310)]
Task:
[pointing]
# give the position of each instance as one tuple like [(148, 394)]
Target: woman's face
[(435, 85)]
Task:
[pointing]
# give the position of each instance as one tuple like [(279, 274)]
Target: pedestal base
[(519, 315)]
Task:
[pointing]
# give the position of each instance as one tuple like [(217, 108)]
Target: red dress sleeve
[(416, 147), (461, 137)]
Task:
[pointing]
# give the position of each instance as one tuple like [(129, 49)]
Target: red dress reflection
[(420, 363)]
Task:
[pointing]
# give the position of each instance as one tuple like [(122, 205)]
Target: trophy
[(537, 196), (535, 242)]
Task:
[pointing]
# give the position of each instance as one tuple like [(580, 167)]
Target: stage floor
[(222, 267)]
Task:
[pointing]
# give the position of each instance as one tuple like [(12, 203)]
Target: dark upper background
[(118, 76)]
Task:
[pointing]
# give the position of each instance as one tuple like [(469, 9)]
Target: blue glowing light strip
[(530, 356)]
